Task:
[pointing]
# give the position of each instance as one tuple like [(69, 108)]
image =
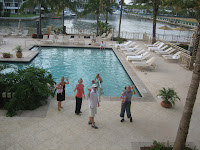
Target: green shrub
[(162, 146), (119, 40), (32, 86)]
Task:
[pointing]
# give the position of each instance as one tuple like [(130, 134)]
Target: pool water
[(84, 63)]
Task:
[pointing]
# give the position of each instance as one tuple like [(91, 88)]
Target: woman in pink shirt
[(79, 94)]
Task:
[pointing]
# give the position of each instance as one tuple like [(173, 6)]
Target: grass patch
[(28, 15)]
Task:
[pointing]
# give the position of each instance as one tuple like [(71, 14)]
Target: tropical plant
[(33, 4), (120, 20), (92, 6), (6, 55), (58, 6), (184, 125), (162, 146), (32, 86), (168, 96), (18, 48)]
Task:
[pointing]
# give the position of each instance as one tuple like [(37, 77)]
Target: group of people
[(93, 98)]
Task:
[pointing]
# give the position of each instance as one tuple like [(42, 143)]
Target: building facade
[(11, 6)]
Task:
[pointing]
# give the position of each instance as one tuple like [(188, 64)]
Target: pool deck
[(47, 129)]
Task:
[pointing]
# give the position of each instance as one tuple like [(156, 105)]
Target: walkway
[(47, 129)]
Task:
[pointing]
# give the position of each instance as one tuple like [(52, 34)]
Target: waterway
[(129, 24)]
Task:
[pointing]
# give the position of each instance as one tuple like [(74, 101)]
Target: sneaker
[(131, 120), (90, 123), (122, 120), (94, 126)]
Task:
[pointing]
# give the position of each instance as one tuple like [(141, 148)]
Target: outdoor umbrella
[(193, 29), (165, 28)]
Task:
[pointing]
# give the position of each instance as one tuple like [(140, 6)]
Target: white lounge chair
[(2, 41), (103, 35), (108, 37), (24, 33), (141, 57), (147, 63), (130, 49), (5, 32), (81, 40), (60, 39), (155, 48), (166, 52), (137, 52), (175, 57), (160, 49), (154, 45), (16, 33), (46, 40), (66, 39), (124, 44)]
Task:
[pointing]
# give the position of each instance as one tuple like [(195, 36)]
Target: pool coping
[(142, 89)]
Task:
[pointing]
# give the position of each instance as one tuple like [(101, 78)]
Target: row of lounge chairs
[(142, 57), (166, 52), (7, 32), (63, 39), (139, 57)]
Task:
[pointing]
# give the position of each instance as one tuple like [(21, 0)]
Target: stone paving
[(47, 129)]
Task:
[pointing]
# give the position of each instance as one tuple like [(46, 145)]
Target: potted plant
[(18, 51), (6, 55), (169, 97)]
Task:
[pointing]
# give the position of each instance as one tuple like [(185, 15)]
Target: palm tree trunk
[(196, 44), (63, 21), (120, 20), (189, 104), (18, 7), (97, 23), (106, 18), (39, 8), (155, 13)]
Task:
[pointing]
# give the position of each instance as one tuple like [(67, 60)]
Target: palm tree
[(93, 6), (156, 4), (120, 20), (58, 6), (192, 92), (32, 4)]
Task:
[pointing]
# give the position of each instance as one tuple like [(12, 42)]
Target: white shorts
[(92, 112)]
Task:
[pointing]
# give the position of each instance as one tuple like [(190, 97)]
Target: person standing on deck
[(79, 94), (93, 103), (61, 91), (126, 105)]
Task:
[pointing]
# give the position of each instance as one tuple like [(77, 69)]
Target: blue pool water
[(84, 63)]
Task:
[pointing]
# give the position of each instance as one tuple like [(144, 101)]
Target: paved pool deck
[(47, 129)]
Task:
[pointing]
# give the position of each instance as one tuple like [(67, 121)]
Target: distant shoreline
[(19, 18)]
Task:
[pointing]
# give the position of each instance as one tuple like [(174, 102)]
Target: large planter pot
[(168, 105), (19, 54), (6, 56)]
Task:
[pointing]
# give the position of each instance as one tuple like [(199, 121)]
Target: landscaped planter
[(168, 105), (6, 55), (19, 54)]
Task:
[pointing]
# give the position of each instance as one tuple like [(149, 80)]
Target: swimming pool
[(84, 63)]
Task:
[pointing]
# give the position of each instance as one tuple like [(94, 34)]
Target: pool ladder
[(100, 91)]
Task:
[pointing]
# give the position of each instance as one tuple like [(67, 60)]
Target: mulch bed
[(145, 148)]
